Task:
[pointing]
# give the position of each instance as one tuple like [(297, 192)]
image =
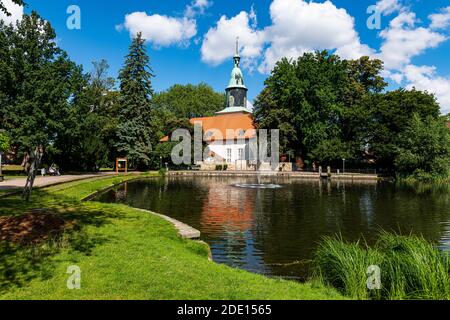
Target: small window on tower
[(231, 101)]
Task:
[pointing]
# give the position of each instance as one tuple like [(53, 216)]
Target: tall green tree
[(135, 124), (36, 84), (390, 116), (89, 141), (304, 100), (190, 101), (173, 107), (425, 148)]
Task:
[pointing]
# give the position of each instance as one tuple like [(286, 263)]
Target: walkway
[(40, 182)]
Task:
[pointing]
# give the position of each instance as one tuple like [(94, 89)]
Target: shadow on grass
[(20, 263)]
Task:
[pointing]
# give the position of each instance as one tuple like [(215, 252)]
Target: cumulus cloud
[(219, 42), (297, 27), (425, 78), (387, 7), (160, 30), (440, 20), (402, 41), (15, 10), (197, 7)]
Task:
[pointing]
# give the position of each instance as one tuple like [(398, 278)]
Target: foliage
[(190, 101), (318, 100), (36, 84), (411, 268), (134, 132), (327, 109), (425, 149), (4, 142), (391, 115), (88, 143)]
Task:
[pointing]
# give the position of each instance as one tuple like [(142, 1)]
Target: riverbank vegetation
[(410, 268), (123, 254)]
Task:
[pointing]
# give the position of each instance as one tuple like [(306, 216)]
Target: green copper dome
[(237, 78)]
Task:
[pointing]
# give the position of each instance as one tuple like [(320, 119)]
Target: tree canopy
[(327, 109), (36, 83)]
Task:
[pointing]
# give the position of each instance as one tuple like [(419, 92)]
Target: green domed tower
[(236, 92)]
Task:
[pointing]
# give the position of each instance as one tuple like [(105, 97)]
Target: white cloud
[(299, 26), (402, 41), (197, 7), (15, 10), (387, 7), (160, 30), (219, 42), (425, 78), (440, 20)]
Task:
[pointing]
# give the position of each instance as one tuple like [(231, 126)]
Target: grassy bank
[(124, 254), (410, 268)]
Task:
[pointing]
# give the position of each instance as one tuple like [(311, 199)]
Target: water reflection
[(276, 231)]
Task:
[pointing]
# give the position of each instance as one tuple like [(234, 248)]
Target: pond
[(275, 230)]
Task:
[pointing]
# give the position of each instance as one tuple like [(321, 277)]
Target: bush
[(411, 268)]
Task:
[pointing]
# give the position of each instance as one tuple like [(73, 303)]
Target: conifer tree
[(134, 128)]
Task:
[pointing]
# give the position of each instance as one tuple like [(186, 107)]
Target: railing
[(338, 171)]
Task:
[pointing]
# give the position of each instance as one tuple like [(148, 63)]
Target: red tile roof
[(225, 127)]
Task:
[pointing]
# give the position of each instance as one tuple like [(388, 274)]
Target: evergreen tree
[(135, 127)]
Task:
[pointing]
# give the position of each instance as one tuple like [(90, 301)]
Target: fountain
[(259, 184)]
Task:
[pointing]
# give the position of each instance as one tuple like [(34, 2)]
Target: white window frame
[(229, 154), (241, 154)]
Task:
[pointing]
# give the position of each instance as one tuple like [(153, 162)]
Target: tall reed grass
[(411, 268)]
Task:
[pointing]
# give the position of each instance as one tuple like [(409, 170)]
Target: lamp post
[(160, 162), (343, 166)]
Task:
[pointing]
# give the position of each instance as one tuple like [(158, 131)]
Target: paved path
[(46, 181)]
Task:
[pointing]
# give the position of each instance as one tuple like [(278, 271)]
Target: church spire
[(236, 90), (237, 57)]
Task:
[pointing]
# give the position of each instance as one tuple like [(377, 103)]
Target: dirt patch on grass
[(35, 226)]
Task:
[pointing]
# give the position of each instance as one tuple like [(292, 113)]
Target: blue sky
[(192, 41)]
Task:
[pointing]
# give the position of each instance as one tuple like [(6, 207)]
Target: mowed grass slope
[(124, 254)]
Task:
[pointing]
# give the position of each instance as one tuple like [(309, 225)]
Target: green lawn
[(124, 254)]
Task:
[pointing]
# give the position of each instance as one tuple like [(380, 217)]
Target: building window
[(229, 155), (240, 154)]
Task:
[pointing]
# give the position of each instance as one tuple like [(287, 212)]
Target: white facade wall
[(229, 150)]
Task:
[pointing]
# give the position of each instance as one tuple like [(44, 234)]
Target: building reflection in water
[(228, 216)]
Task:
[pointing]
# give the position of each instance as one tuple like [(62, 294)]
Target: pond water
[(275, 231)]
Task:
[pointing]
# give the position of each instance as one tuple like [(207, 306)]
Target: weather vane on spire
[(237, 45)]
